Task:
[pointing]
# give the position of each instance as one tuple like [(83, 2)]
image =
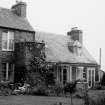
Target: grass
[(44, 100), (36, 100)]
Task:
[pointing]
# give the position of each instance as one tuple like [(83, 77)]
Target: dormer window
[(8, 41)]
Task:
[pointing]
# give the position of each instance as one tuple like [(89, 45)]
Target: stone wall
[(19, 36)]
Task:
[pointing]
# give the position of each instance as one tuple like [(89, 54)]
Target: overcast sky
[(59, 16)]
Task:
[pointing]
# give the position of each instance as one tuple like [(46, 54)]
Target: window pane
[(3, 71), (11, 41), (11, 35), (4, 44), (11, 44), (4, 40), (4, 36), (10, 72)]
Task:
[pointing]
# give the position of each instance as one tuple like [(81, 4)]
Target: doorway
[(64, 76)]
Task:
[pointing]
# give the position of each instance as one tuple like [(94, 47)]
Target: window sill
[(7, 50), (6, 81)]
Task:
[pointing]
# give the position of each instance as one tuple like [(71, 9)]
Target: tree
[(38, 66), (103, 80), (48, 75), (71, 88)]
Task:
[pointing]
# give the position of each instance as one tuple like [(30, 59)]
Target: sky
[(59, 16)]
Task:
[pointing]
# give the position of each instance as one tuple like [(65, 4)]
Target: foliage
[(48, 76), (99, 101), (58, 89), (40, 89), (97, 87), (38, 66), (103, 80), (5, 88), (34, 79), (70, 87)]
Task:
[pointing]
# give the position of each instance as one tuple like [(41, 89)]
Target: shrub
[(5, 88), (70, 87), (97, 86), (58, 89), (98, 101), (103, 80), (38, 90)]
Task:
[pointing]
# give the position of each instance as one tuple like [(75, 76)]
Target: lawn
[(44, 100), (36, 100)]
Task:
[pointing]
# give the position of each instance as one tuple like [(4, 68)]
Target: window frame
[(82, 71), (7, 41)]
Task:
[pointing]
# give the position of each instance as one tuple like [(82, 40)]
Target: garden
[(39, 88), (24, 94)]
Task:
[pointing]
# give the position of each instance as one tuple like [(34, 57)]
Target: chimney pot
[(75, 34)]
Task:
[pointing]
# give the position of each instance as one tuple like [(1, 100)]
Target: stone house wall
[(19, 36)]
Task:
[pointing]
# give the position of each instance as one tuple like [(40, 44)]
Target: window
[(8, 41), (7, 71), (84, 73), (81, 73)]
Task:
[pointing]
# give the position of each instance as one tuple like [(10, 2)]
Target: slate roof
[(10, 20), (57, 49)]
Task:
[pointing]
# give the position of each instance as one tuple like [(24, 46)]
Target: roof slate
[(57, 49), (10, 20)]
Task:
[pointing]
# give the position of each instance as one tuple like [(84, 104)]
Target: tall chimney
[(75, 34), (19, 9)]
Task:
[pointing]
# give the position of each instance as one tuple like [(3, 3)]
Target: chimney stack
[(75, 34), (19, 9)]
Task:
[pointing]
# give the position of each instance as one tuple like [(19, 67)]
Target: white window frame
[(81, 69), (8, 41), (90, 69)]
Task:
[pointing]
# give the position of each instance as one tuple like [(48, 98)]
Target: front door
[(91, 77)]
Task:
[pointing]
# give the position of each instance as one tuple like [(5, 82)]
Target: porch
[(66, 73)]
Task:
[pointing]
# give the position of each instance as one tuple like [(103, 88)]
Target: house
[(66, 55), (14, 28), (72, 59)]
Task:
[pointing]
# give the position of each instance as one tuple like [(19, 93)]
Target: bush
[(97, 87), (70, 87), (58, 88), (38, 89), (50, 91), (98, 101), (5, 88), (103, 80)]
